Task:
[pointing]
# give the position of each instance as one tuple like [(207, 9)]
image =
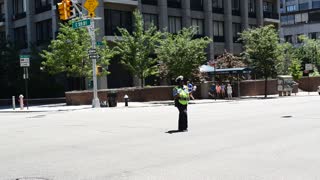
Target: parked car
[(319, 90)]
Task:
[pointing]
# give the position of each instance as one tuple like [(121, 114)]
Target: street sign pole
[(26, 77), (95, 101)]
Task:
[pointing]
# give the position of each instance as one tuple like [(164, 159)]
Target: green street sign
[(82, 23), (99, 43)]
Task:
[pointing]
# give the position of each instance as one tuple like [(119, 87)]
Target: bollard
[(21, 102), (13, 102), (126, 100)]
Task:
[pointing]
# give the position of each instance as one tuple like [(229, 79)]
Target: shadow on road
[(174, 131)]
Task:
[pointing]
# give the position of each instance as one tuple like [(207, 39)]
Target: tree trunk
[(142, 82), (265, 83)]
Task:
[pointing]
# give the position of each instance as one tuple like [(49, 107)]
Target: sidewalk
[(64, 107)]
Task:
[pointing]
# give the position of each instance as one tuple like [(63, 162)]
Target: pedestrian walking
[(223, 90), (218, 90), (190, 89), (229, 91), (181, 97)]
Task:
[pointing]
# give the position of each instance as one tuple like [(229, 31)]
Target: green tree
[(295, 69), (136, 49), (228, 60), (309, 51), (69, 53), (262, 50), (181, 53)]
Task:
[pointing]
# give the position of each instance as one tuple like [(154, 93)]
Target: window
[(304, 6), (315, 4), (290, 19), (196, 5), (267, 6), (301, 18), (174, 3), (115, 19), (236, 28), (20, 37), (252, 8), (291, 8), (217, 6), (200, 26), (314, 16), (235, 7), (2, 12), (44, 32), (149, 19), (288, 38), (174, 24), (150, 2), (218, 31), (42, 5), (2, 35), (19, 9), (314, 35)]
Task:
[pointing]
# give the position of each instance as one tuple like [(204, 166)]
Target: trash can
[(112, 99)]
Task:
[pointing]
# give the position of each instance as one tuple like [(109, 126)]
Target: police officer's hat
[(179, 78)]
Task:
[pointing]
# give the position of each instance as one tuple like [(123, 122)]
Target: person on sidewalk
[(190, 89), (181, 97), (229, 91)]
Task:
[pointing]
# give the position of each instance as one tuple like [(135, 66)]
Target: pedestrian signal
[(99, 70)]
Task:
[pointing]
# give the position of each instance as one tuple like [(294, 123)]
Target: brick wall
[(309, 83), (162, 93)]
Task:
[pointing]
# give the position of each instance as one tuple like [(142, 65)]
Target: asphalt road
[(274, 139)]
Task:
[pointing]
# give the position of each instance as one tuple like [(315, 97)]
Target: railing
[(43, 9), (150, 2), (270, 15)]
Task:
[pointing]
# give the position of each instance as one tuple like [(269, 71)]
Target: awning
[(206, 68), (232, 71)]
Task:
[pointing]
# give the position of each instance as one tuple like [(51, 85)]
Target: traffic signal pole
[(95, 100)]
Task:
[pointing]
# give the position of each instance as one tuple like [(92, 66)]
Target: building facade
[(300, 17), (36, 21)]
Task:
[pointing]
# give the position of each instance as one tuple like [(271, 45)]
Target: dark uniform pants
[(183, 117)]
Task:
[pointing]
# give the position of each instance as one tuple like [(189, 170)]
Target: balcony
[(125, 2), (19, 16), (218, 10), (174, 3), (271, 17)]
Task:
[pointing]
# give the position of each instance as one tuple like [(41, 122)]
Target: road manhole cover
[(32, 178), (286, 116)]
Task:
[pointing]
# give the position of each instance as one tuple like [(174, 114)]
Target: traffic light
[(99, 70), (62, 10), (69, 8)]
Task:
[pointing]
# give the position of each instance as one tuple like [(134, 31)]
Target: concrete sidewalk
[(64, 107)]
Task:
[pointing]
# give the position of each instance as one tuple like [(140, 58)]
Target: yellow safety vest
[(183, 95)]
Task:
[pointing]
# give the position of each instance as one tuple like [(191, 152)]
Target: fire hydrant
[(21, 101), (126, 100)]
